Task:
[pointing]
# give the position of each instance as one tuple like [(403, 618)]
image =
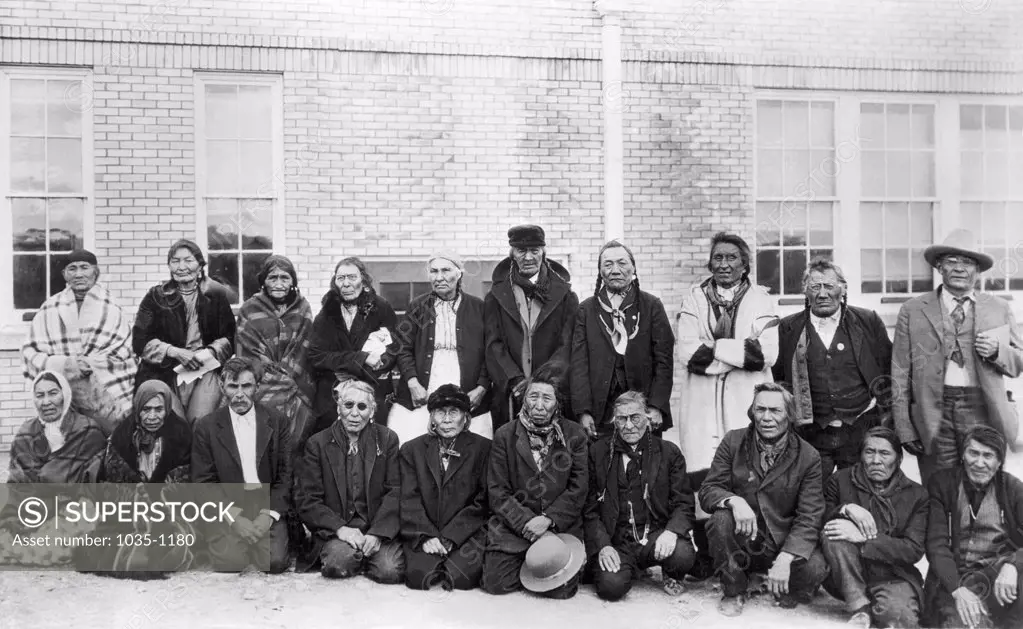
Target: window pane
[(897, 126), (971, 134), (251, 263), (396, 294), (1016, 127), (992, 224), (896, 270), (794, 226), (769, 173), (421, 288), (971, 177), (797, 124), (256, 223), (27, 111), (821, 254), (923, 126), (57, 264), (768, 225), (996, 175), (822, 125), (769, 123), (821, 224), (871, 226), (898, 173), (923, 174), (256, 167), (64, 157), (28, 165), (896, 224), (29, 281), (768, 270), (870, 271), (872, 174), (1016, 174), (62, 119), (796, 165), (224, 269), (221, 111), (823, 169), (67, 231), (222, 167), (29, 224), (994, 279), (923, 274), (795, 264), (222, 224), (921, 223), (255, 117), (871, 126), (995, 125)]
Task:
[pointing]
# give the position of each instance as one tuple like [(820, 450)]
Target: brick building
[(390, 128)]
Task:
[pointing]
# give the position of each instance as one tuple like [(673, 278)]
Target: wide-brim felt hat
[(551, 562), (960, 242)]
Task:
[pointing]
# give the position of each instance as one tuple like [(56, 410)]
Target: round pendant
[(841, 347)]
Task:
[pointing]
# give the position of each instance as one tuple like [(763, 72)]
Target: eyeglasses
[(959, 261), (350, 405), (351, 278), (635, 419), (448, 412)]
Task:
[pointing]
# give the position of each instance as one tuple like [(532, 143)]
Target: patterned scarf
[(538, 291), (542, 438), (880, 506), (770, 452), (616, 321), (725, 311)]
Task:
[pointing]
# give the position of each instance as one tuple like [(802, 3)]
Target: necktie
[(958, 316)]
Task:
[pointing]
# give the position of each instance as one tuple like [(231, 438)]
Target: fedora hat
[(551, 562), (959, 242)]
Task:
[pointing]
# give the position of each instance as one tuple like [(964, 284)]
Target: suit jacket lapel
[(932, 310), (558, 291), (985, 316), (503, 292), (336, 461), (433, 460), (228, 441), (522, 447), (455, 462), (263, 434), (651, 464), (369, 458)]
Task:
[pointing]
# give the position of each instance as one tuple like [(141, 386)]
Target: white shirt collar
[(726, 293), (247, 417), (832, 319), (948, 299)]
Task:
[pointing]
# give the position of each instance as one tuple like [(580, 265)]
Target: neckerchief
[(881, 505), (542, 438), (447, 450), (537, 291), (770, 453), (633, 470), (725, 311), (144, 440), (616, 321)]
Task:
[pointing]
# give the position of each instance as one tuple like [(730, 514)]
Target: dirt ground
[(39, 600)]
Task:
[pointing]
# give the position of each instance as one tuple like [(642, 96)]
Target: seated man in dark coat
[(245, 442), (444, 497), (537, 483), (640, 507), (874, 535), (348, 492), (975, 539), (765, 495)]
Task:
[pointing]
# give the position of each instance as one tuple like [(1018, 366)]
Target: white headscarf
[(52, 430)]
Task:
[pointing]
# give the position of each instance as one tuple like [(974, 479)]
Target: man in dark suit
[(622, 342), (246, 443), (837, 359), (953, 348), (529, 312), (767, 503), (640, 507), (349, 490), (537, 485)]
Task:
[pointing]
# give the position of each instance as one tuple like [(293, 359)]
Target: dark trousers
[(735, 557), (635, 558), (230, 553), (461, 569), (839, 446), (501, 576), (892, 602), (961, 409), (340, 561), (980, 582)]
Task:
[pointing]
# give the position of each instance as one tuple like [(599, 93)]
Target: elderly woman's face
[(49, 400), (348, 280), (540, 403), (879, 459), (448, 421), (278, 283), (355, 408), (769, 415), (444, 277), (184, 267), (81, 276), (153, 413), (726, 264)]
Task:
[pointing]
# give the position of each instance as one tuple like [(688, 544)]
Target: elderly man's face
[(152, 414), (448, 421), (528, 259), (278, 284), (81, 276), (240, 391), (49, 400), (980, 462), (769, 415), (444, 277), (348, 280), (355, 408), (824, 292), (958, 272), (540, 403), (879, 459), (632, 422), (616, 269), (726, 264)]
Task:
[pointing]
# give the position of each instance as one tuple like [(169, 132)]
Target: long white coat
[(709, 405)]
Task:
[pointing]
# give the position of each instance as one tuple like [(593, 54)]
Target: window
[(796, 191), (46, 180), (897, 196), (991, 181), (401, 281), (239, 176)]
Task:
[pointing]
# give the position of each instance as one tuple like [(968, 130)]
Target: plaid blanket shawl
[(101, 333), (280, 341), (77, 461)]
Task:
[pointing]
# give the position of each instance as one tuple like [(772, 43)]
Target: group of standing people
[(524, 435)]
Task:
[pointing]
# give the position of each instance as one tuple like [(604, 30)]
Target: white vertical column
[(613, 97)]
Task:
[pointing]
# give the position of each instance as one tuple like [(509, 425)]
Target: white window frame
[(375, 261), (14, 324), (947, 214), (280, 177)]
